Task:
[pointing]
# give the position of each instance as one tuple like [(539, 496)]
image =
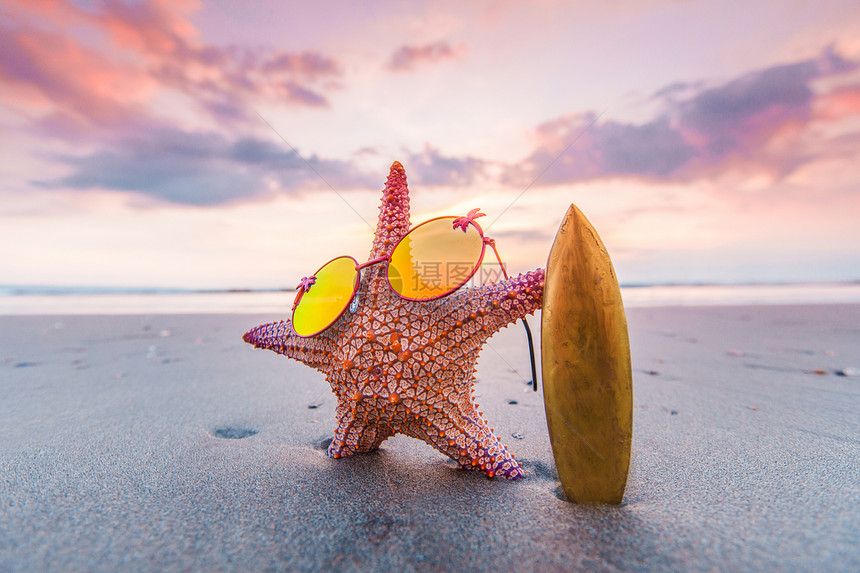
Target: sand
[(166, 443)]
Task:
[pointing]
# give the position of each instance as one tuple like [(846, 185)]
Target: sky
[(222, 144)]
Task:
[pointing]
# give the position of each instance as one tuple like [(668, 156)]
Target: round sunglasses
[(432, 260)]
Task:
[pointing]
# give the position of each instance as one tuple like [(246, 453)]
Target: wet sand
[(166, 443)]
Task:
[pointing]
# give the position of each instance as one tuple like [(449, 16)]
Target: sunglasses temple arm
[(492, 244), (531, 353), (296, 300)]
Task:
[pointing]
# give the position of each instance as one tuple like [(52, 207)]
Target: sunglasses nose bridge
[(353, 303), (377, 260)]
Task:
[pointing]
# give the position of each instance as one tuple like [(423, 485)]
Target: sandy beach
[(164, 442)]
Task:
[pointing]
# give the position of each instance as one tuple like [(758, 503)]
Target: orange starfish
[(404, 366)]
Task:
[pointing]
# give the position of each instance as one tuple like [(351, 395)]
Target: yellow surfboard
[(585, 355)]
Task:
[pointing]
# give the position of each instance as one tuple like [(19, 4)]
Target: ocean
[(77, 300)]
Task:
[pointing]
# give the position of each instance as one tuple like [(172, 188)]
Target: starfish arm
[(481, 312), (454, 427), (354, 433), (510, 300), (315, 351), (444, 417), (393, 213)]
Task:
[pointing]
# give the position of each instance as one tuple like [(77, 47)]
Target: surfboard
[(585, 357)]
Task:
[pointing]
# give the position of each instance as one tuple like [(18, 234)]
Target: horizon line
[(74, 290)]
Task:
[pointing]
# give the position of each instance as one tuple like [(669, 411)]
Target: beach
[(164, 442)]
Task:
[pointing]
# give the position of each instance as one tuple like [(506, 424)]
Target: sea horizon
[(69, 300)]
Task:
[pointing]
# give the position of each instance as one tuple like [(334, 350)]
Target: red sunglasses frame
[(461, 222)]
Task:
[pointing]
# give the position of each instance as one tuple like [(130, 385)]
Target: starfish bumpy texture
[(403, 366)]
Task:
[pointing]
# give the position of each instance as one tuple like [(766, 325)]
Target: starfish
[(403, 366)]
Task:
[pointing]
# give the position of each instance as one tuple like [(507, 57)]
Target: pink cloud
[(222, 78), (151, 27), (431, 167), (841, 103), (758, 122), (92, 76), (54, 9), (152, 47), (69, 78), (407, 57), (310, 65)]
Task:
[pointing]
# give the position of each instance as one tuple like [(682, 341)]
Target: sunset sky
[(174, 143)]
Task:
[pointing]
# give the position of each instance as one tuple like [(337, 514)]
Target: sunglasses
[(432, 260)]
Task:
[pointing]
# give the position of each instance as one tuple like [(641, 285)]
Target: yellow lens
[(434, 259), (327, 298)]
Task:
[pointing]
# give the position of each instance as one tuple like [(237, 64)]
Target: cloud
[(521, 236), (60, 74), (117, 57), (676, 90), (406, 58), (583, 149), (430, 167), (757, 121), (840, 103), (202, 168), (160, 30)]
